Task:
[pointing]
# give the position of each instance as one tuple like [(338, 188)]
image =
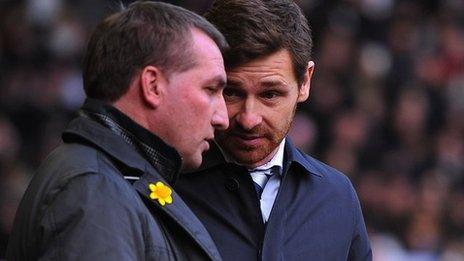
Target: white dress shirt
[(272, 185)]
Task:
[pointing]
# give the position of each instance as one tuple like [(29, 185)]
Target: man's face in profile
[(261, 98), (195, 107)]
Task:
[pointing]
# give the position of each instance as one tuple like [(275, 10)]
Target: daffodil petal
[(152, 195), (161, 192)]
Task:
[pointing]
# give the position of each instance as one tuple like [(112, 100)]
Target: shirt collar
[(277, 160), (216, 157)]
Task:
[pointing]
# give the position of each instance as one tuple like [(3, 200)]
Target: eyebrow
[(263, 84), (271, 83), (218, 81), (233, 83)]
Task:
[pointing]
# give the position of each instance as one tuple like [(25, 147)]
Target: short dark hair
[(144, 33), (256, 28)]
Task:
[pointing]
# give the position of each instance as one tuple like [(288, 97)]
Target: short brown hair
[(256, 28), (145, 33)]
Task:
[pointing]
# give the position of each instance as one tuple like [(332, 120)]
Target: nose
[(220, 120), (248, 118)]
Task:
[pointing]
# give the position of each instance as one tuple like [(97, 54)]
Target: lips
[(208, 141), (248, 141), (247, 137), (207, 146)]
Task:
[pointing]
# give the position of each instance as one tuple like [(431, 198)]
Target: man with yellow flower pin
[(154, 76)]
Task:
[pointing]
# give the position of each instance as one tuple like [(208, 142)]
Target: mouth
[(209, 140), (207, 146), (248, 140), (247, 136)]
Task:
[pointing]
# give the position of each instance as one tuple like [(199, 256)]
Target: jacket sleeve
[(91, 218), (360, 248)]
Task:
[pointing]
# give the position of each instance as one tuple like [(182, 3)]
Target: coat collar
[(162, 156), (293, 154), (83, 130), (214, 157), (86, 131)]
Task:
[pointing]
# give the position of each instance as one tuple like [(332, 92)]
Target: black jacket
[(90, 201), (316, 215)]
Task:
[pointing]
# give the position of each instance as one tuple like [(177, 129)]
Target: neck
[(132, 110)]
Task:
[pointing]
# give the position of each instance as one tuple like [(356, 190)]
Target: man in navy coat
[(260, 197)]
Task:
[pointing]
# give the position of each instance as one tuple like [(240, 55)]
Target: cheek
[(232, 110), (279, 120), (191, 105), (198, 113)]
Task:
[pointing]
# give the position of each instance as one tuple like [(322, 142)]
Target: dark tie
[(260, 179)]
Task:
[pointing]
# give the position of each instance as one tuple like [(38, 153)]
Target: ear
[(303, 92), (152, 84)]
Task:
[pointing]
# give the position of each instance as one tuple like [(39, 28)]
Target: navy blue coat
[(316, 215), (81, 205)]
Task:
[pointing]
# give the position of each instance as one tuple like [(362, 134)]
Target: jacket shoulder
[(74, 182), (323, 170), (76, 161), (73, 159)]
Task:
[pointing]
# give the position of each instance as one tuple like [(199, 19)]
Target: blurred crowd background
[(386, 107)]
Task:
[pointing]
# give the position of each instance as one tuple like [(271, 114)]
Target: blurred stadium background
[(386, 107)]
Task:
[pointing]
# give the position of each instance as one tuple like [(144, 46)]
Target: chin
[(249, 158), (192, 165)]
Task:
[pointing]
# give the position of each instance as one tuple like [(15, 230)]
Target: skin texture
[(183, 108), (194, 106), (261, 98)]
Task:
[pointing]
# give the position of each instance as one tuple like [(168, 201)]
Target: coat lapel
[(179, 212), (88, 131)]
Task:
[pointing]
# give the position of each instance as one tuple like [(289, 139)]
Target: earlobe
[(305, 87), (151, 84)]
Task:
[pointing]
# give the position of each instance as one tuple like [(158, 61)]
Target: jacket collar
[(214, 157), (163, 157), (84, 130), (293, 154)]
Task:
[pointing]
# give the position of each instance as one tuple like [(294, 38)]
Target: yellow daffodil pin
[(160, 192)]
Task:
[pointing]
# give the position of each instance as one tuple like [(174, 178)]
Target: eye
[(269, 95), (231, 94), (212, 89)]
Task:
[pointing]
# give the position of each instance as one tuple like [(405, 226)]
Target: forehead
[(276, 67), (204, 48), (207, 56)]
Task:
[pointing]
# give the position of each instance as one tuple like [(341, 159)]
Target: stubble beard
[(249, 156)]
